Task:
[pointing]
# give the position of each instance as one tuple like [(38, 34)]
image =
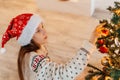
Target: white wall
[(104, 4), (92, 9)]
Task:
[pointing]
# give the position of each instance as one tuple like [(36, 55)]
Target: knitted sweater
[(39, 67)]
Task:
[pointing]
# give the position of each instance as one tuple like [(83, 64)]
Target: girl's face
[(40, 36)]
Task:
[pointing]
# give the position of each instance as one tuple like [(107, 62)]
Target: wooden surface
[(65, 35)]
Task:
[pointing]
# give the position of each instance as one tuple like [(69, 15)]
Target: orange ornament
[(104, 32)]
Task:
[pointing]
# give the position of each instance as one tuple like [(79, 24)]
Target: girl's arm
[(52, 71)]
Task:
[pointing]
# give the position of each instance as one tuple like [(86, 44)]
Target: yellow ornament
[(117, 11), (95, 78), (100, 26), (108, 78), (105, 61)]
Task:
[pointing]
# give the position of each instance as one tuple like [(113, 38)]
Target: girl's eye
[(42, 26), (38, 31)]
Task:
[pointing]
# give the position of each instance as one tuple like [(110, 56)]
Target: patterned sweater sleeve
[(48, 70)]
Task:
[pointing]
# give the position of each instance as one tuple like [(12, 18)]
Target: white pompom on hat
[(23, 28)]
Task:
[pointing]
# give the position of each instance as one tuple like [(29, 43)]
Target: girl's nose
[(44, 32)]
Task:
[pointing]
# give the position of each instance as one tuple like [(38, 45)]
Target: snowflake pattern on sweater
[(36, 62)]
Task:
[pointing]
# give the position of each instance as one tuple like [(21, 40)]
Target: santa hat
[(22, 27)]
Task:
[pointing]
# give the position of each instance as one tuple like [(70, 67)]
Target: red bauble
[(103, 49), (100, 41)]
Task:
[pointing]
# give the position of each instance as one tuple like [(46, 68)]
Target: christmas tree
[(108, 42)]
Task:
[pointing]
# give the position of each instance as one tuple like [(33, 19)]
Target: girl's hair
[(24, 50)]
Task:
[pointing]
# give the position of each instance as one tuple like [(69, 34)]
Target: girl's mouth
[(45, 37)]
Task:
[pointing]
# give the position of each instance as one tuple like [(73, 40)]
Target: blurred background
[(67, 22)]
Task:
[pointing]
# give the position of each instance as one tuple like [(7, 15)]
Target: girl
[(33, 60)]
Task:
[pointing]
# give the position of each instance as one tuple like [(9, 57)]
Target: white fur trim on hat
[(2, 50), (29, 30)]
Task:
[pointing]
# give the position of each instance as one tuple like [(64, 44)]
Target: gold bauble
[(108, 78), (105, 61), (95, 78)]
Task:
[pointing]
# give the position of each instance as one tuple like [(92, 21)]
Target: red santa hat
[(22, 27)]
